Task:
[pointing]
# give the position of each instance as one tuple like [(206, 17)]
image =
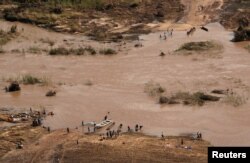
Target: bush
[(248, 48), (107, 51), (29, 79), (91, 50), (59, 51), (13, 29), (235, 100), (197, 98), (1, 51), (34, 50), (197, 46), (153, 89), (79, 51), (4, 37)]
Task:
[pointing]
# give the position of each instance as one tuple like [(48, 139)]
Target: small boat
[(89, 123), (104, 123), (16, 120)]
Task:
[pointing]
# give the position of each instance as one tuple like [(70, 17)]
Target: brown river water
[(118, 84)]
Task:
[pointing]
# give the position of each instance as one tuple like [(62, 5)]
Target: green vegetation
[(4, 37), (91, 50), (248, 48), (48, 41), (197, 98), (59, 51), (7, 36), (107, 51), (78, 51), (34, 50), (28, 79), (1, 50), (153, 89), (197, 46), (235, 100)]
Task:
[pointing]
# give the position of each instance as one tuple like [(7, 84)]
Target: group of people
[(168, 33)]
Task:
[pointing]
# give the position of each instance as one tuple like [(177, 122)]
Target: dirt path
[(196, 11)]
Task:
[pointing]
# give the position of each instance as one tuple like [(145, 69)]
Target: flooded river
[(118, 84)]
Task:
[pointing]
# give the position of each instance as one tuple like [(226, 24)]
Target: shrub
[(197, 98), (91, 50), (153, 89), (4, 37), (235, 100), (13, 29), (29, 79), (248, 48), (59, 51), (197, 46), (1, 51), (34, 50), (79, 51), (107, 51)]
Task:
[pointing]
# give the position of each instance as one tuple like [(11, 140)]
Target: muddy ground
[(60, 146)]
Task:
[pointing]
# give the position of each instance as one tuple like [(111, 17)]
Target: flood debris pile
[(78, 51), (18, 117), (107, 51)]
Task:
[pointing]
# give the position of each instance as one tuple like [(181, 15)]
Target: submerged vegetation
[(107, 51), (80, 51), (6, 36), (197, 98), (197, 46), (235, 100), (248, 48), (28, 79), (153, 89)]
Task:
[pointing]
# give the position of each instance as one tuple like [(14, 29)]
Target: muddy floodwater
[(118, 84)]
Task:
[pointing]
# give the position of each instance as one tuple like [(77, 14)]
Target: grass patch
[(206, 48), (107, 51), (198, 46), (59, 51), (235, 100), (153, 89), (1, 50), (48, 41), (5, 37), (90, 50), (28, 79), (248, 48), (34, 50), (197, 98), (78, 51)]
